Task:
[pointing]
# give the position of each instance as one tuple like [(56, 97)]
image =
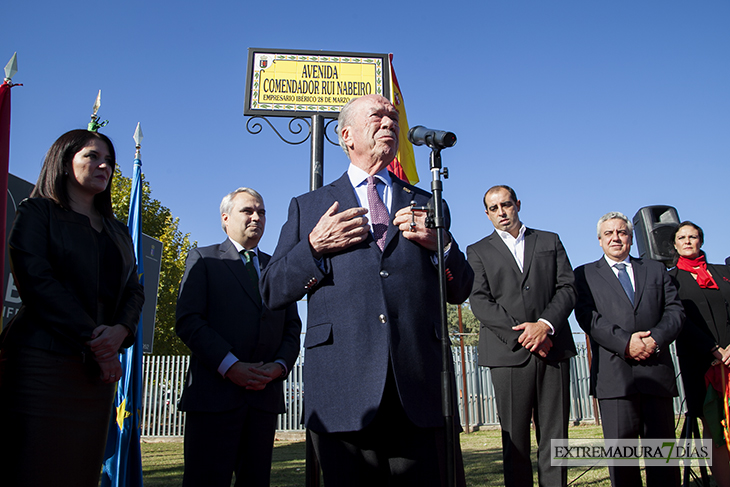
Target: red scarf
[(698, 266)]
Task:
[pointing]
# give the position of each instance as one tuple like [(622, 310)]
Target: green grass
[(163, 462)]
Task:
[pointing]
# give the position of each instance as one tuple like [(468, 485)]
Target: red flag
[(404, 164)]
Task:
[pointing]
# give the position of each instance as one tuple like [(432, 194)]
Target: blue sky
[(583, 106)]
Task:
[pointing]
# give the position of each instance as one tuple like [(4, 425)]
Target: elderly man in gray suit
[(631, 312), (523, 294)]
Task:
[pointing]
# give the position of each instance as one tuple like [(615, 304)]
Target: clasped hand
[(722, 355), (105, 344), (253, 376), (534, 337), (641, 346)]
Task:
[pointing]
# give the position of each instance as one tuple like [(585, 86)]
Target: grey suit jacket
[(503, 297), (607, 315), (218, 312)]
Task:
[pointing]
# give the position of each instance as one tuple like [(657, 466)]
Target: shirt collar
[(612, 262), (358, 176), (239, 247), (508, 236)]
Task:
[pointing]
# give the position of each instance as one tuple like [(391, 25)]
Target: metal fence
[(164, 377)]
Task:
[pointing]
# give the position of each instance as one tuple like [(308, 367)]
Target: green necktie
[(249, 254)]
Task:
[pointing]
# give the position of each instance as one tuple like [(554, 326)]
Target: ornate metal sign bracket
[(316, 129), (254, 127)]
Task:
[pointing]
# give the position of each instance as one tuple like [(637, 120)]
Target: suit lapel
[(341, 190), (401, 197), (264, 260), (530, 244), (232, 258), (496, 241), (639, 278), (604, 270)]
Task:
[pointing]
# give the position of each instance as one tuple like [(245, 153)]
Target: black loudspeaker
[(653, 230)]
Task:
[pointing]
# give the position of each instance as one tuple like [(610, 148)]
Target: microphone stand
[(437, 140), (446, 382)]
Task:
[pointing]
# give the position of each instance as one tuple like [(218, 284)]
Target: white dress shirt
[(359, 181), (517, 247)]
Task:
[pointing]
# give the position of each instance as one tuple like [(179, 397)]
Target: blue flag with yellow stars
[(123, 456)]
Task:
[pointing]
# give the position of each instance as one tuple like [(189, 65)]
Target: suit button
[(384, 274), (527, 288), (383, 319)]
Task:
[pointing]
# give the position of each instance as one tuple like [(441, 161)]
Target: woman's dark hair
[(685, 223), (52, 179), (688, 223)]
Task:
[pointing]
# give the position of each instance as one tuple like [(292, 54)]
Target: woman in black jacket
[(74, 267), (705, 338)]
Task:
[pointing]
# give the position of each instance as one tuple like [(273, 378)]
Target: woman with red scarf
[(705, 339)]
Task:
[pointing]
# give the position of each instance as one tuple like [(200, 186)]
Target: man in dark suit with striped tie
[(242, 352)]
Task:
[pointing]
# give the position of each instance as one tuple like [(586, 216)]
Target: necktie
[(623, 278), (379, 217), (249, 254)]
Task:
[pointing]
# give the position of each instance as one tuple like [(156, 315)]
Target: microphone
[(435, 139)]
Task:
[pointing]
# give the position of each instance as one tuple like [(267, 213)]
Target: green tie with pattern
[(249, 255)]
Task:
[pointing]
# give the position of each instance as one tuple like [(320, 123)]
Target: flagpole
[(123, 457), (10, 69)]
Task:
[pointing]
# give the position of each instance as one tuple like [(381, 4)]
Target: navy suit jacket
[(605, 312), (367, 310), (218, 312), (504, 297)]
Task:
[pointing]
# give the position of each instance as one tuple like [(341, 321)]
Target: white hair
[(227, 202), (610, 216), (344, 120)]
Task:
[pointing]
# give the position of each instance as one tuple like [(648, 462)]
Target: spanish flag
[(404, 164)]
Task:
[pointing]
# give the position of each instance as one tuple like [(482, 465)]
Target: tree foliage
[(158, 222), (469, 322)]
